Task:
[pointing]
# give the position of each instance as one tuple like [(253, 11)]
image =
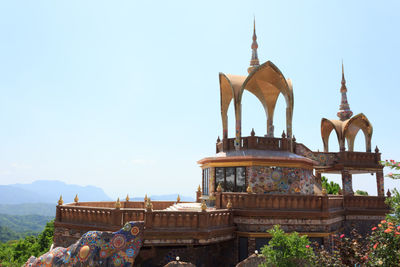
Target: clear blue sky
[(124, 95)]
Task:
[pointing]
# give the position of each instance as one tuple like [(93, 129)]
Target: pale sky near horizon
[(124, 95)]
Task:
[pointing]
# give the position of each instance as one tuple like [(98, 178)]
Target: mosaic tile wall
[(264, 180)]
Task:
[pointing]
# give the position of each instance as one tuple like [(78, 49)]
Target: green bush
[(286, 250), (17, 252)]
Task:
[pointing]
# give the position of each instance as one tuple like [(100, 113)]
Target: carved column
[(347, 183), (380, 183), (251, 247)]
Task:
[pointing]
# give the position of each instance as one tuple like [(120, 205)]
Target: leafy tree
[(361, 193), (331, 187), (17, 252), (286, 250)]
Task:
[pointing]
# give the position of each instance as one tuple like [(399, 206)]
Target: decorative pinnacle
[(127, 198), (283, 134), (178, 199), (344, 109), (253, 133), (145, 198), (149, 205), (229, 205), (218, 140), (219, 188), (376, 149), (203, 205), (60, 201), (254, 62), (199, 189), (76, 199), (118, 204), (249, 189)]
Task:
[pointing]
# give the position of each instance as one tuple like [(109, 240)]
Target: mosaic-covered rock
[(97, 248)]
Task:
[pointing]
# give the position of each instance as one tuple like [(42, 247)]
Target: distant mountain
[(44, 191)]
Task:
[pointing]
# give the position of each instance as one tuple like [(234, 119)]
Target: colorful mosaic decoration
[(282, 180), (97, 248), (324, 159)]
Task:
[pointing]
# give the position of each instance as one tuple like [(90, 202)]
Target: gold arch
[(266, 82)]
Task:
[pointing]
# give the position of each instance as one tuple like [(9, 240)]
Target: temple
[(250, 184)]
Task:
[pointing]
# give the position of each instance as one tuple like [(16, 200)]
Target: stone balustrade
[(157, 205), (154, 219), (254, 142), (188, 220), (295, 203)]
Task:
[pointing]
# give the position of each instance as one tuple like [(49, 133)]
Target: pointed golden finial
[(229, 205), (324, 192), (76, 199), (203, 205), (60, 201), (178, 199), (219, 188), (199, 189), (145, 198), (118, 204), (149, 205), (249, 189), (127, 198), (254, 62)]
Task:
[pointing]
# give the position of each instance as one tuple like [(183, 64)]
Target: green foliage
[(361, 193), (286, 250), (385, 244), (331, 187), (394, 203), (17, 252), (24, 223)]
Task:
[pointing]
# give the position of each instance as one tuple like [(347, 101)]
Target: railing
[(359, 158), (271, 201), (155, 219), (85, 215), (365, 202), (307, 203), (254, 142), (188, 220), (157, 205)]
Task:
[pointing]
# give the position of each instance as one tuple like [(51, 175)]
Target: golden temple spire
[(60, 201), (254, 62), (344, 109)]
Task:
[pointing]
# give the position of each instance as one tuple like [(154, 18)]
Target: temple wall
[(219, 255), (282, 180)]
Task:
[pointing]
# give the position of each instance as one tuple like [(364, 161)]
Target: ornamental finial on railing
[(149, 205), (127, 198), (219, 188), (324, 192), (388, 193), (218, 140), (376, 149), (203, 205), (199, 189), (145, 198), (283, 134), (118, 204), (60, 201), (76, 199), (294, 139), (249, 189), (229, 205), (252, 132), (178, 199)]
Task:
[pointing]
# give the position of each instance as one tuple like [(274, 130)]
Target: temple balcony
[(254, 142)]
